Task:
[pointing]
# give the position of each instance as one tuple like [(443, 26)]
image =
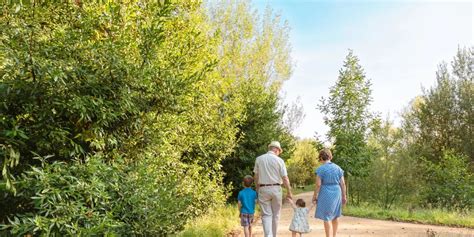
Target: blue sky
[(399, 44)]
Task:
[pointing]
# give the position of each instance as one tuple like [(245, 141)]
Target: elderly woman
[(330, 192)]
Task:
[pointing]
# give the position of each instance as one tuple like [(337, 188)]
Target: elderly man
[(270, 174)]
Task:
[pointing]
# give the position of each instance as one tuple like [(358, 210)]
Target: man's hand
[(344, 200), (286, 184)]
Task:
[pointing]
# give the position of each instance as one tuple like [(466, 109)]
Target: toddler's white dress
[(300, 220)]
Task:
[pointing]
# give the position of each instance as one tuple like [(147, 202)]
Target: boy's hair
[(300, 202), (248, 180)]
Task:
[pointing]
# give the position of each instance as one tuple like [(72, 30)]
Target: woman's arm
[(316, 189), (343, 190)]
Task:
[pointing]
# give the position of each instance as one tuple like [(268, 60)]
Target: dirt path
[(356, 227)]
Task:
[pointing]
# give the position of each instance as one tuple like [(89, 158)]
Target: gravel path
[(357, 227)]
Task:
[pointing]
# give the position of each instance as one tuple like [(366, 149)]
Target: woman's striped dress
[(329, 198)]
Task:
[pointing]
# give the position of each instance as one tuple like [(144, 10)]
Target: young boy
[(247, 198)]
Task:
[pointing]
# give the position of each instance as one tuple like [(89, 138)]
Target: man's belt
[(263, 185)]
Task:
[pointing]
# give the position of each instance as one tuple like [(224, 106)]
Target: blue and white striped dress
[(329, 198)]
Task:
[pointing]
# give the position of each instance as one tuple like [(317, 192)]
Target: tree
[(254, 55), (451, 183), (443, 118), (127, 90), (392, 168), (347, 114), (439, 129), (293, 115), (303, 162)]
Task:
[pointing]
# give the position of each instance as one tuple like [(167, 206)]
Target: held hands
[(291, 202)]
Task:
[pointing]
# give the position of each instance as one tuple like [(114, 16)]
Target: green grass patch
[(424, 216), (306, 188), (217, 223)]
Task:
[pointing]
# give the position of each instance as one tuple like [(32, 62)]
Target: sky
[(399, 43)]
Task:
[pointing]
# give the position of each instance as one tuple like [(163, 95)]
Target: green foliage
[(347, 114), (442, 118), (255, 133), (164, 194), (153, 197), (454, 187), (438, 131), (348, 117), (134, 111), (130, 83), (393, 176), (79, 78), (69, 199), (254, 54), (217, 223), (303, 162)]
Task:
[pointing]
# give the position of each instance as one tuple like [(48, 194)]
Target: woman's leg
[(293, 233), (327, 228), (334, 227), (250, 230)]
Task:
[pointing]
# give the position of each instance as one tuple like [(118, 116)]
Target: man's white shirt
[(270, 169)]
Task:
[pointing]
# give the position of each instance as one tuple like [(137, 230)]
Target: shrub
[(164, 194), (451, 182), (69, 199), (153, 197)]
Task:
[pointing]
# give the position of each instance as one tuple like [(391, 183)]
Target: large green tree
[(439, 133), (346, 112), (392, 167), (444, 117), (126, 90), (254, 54)]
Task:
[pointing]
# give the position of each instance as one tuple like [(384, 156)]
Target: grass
[(217, 223), (424, 216), (306, 188)]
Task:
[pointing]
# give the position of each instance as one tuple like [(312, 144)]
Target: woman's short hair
[(325, 154)]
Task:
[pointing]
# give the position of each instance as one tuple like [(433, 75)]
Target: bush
[(216, 223), (163, 195), (131, 105), (84, 81), (452, 184), (153, 197), (77, 199)]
